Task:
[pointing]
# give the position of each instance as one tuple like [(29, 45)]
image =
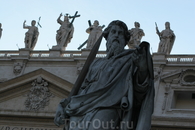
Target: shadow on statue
[(115, 92)]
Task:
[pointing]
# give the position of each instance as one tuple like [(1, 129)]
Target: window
[(183, 100)]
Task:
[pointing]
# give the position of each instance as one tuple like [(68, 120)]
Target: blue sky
[(180, 14)]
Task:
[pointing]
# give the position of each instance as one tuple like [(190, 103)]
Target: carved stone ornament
[(39, 95), (17, 68), (79, 67), (188, 77), (157, 72)]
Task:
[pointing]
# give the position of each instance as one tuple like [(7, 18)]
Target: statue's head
[(66, 17), (96, 23), (167, 25), (33, 22), (137, 24), (121, 25), (117, 37), (0, 25)]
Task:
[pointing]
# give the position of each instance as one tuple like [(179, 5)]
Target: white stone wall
[(168, 71)]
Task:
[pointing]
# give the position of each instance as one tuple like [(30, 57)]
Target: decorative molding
[(171, 77), (167, 88), (39, 95), (188, 72), (79, 67), (157, 73), (3, 80), (17, 68), (167, 128)]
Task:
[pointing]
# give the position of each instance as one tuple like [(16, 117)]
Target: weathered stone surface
[(136, 36), (31, 36), (94, 32), (167, 39), (116, 74)]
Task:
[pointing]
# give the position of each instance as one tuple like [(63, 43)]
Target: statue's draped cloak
[(167, 41), (35, 38), (94, 34), (108, 81), (34, 34), (65, 34)]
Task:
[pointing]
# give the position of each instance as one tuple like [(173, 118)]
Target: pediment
[(172, 76), (18, 95), (182, 76)]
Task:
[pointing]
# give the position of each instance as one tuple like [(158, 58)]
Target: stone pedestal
[(24, 51), (159, 56), (55, 52), (159, 59), (58, 47), (85, 52)]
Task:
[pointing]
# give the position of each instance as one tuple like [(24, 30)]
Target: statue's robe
[(107, 83), (136, 36), (94, 35), (34, 34), (64, 34), (167, 39), (35, 38)]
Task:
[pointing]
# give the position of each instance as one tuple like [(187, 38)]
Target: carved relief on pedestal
[(39, 95), (188, 77), (17, 69)]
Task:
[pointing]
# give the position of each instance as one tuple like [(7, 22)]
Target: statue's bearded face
[(115, 41)]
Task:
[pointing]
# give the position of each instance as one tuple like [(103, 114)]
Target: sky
[(180, 14)]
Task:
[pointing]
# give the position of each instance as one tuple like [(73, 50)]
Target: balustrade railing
[(47, 53), (180, 58), (35, 53)]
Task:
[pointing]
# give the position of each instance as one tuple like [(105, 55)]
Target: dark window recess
[(193, 95), (189, 78)]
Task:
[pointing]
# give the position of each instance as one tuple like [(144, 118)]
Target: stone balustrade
[(161, 57), (180, 58), (50, 53)]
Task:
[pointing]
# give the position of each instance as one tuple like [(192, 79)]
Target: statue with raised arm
[(64, 33), (167, 38), (116, 92), (94, 32), (0, 30), (136, 36), (31, 36)]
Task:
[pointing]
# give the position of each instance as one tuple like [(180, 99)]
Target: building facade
[(32, 83)]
